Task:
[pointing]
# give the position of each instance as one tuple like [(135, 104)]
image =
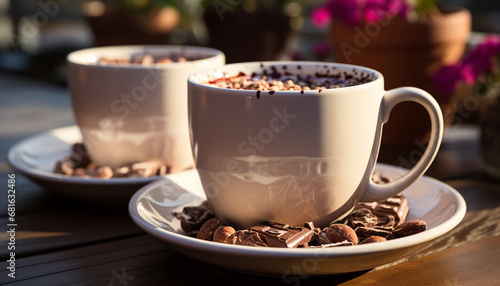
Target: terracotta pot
[(115, 26), (407, 54)]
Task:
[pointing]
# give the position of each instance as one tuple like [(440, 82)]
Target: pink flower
[(322, 49), (353, 12), (480, 59), (375, 10), (476, 62), (349, 11), (399, 7), (295, 56), (468, 73), (447, 78), (320, 17)]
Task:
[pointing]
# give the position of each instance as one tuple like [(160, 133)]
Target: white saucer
[(36, 156), (430, 200)]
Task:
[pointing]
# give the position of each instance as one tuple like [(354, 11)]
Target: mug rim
[(76, 57), (262, 64)]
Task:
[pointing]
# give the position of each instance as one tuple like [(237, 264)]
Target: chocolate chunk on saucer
[(193, 217), (247, 237), (335, 244), (396, 206), (284, 235)]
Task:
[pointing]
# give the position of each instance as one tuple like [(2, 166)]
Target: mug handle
[(376, 192)]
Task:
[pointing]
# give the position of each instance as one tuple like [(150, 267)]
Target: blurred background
[(36, 35)]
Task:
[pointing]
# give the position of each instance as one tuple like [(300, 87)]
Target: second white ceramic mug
[(296, 156), (135, 113)]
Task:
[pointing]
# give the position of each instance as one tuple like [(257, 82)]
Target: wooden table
[(59, 241)]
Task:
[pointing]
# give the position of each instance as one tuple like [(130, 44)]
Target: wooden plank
[(29, 196), (28, 107), (140, 260), (67, 227), (87, 256), (482, 219), (472, 264)]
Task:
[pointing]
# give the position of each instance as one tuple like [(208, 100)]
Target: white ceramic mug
[(134, 113), (292, 156)]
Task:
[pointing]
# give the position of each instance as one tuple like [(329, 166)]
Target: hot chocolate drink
[(278, 78), (149, 59)]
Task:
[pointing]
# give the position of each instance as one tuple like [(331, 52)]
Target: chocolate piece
[(78, 159), (372, 239), (310, 225), (247, 237), (144, 60), (341, 232), (223, 233), (362, 218), (319, 237), (365, 232), (335, 244), (386, 223), (380, 178), (83, 173), (64, 167), (409, 228), (104, 172), (208, 229), (163, 170), (123, 172), (146, 169), (366, 224), (284, 235), (79, 155), (192, 218), (396, 206)]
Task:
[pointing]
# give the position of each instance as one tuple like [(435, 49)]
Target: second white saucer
[(36, 156)]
